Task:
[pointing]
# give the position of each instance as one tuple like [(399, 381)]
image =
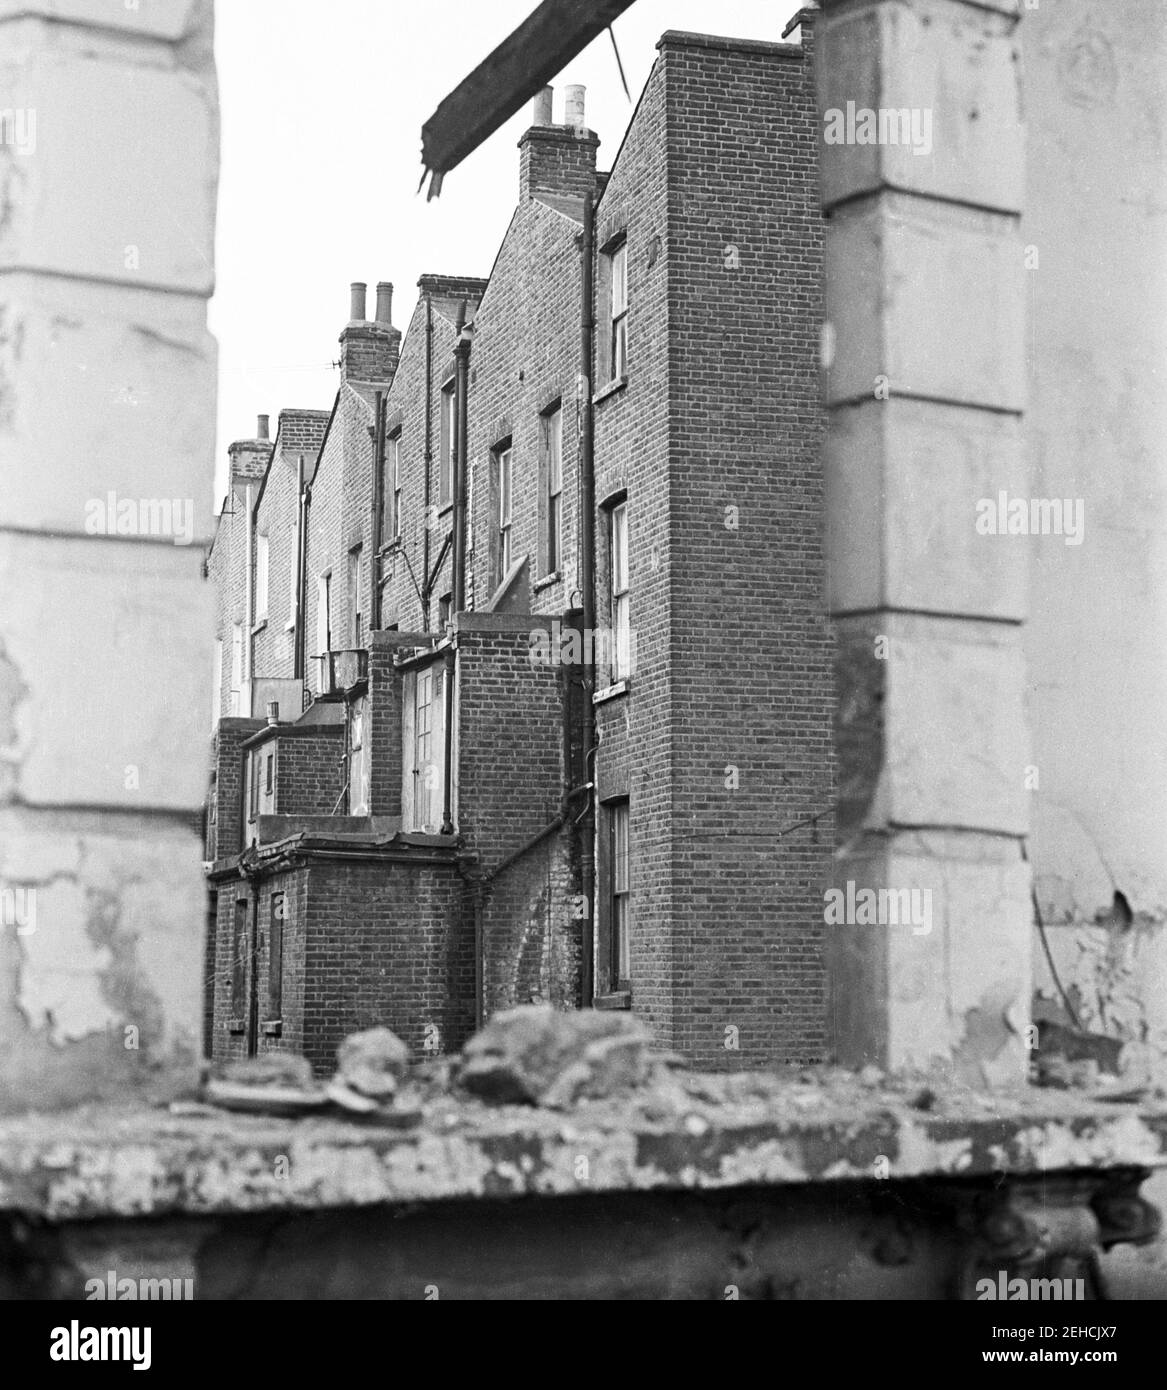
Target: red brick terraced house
[(525, 677)]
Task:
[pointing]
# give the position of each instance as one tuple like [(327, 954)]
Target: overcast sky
[(321, 157)]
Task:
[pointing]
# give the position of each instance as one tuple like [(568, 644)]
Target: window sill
[(611, 389), (290, 625), (611, 692), (548, 579), (273, 1028), (260, 624), (619, 999), (236, 1025)]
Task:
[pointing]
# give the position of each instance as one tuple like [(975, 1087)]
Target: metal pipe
[(301, 631), (429, 453), (458, 601), (249, 591), (461, 457), (378, 507), (298, 561), (587, 545)]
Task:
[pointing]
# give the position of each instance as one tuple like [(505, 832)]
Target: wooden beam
[(525, 61)]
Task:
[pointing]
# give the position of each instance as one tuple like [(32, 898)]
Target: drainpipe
[(461, 457), (302, 597), (429, 458), (378, 507), (587, 545), (458, 603), (249, 593), (298, 561)]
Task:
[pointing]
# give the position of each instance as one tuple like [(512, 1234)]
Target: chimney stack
[(385, 303), (369, 351), (573, 112), (542, 112), (558, 159), (262, 427)]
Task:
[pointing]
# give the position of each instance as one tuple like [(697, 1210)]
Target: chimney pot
[(273, 711), (385, 302), (542, 112), (262, 427), (574, 107), (357, 292)]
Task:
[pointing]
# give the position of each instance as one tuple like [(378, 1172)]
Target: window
[(428, 784), (239, 960), (217, 685), (391, 489), (552, 471), (621, 598), (620, 894), (269, 774), (324, 622), (354, 598), (253, 786), (275, 955), (445, 607), (446, 483), (618, 311), (358, 768), (236, 667), (293, 581), (502, 515), (261, 577)]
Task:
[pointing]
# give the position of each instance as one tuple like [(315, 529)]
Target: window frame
[(502, 510), (551, 489), (619, 591), (277, 916), (446, 431), (354, 615), (617, 254), (262, 576), (391, 490), (236, 667)]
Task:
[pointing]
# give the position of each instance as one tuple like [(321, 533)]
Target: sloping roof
[(565, 203)]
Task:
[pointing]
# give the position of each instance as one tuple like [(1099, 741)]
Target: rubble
[(372, 1063), (542, 1056)]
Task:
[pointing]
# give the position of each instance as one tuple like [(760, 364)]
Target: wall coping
[(102, 1162), (681, 38)]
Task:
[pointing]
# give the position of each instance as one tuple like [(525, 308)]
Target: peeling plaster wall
[(1096, 644), (105, 634)]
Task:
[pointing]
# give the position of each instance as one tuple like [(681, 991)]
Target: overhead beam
[(543, 45)]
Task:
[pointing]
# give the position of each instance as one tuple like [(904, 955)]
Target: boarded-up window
[(275, 957), (239, 960)]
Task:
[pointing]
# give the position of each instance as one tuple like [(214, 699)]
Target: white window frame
[(618, 311), (504, 516), (262, 575), (620, 592), (446, 446), (554, 490), (236, 667), (217, 688)]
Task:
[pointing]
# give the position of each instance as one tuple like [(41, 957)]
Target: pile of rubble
[(537, 1056)]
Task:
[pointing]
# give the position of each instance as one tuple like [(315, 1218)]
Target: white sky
[(322, 110)]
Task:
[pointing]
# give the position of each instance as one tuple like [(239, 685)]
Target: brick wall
[(300, 434), (724, 738), (387, 945)]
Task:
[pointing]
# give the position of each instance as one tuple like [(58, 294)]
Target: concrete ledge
[(99, 1163)]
